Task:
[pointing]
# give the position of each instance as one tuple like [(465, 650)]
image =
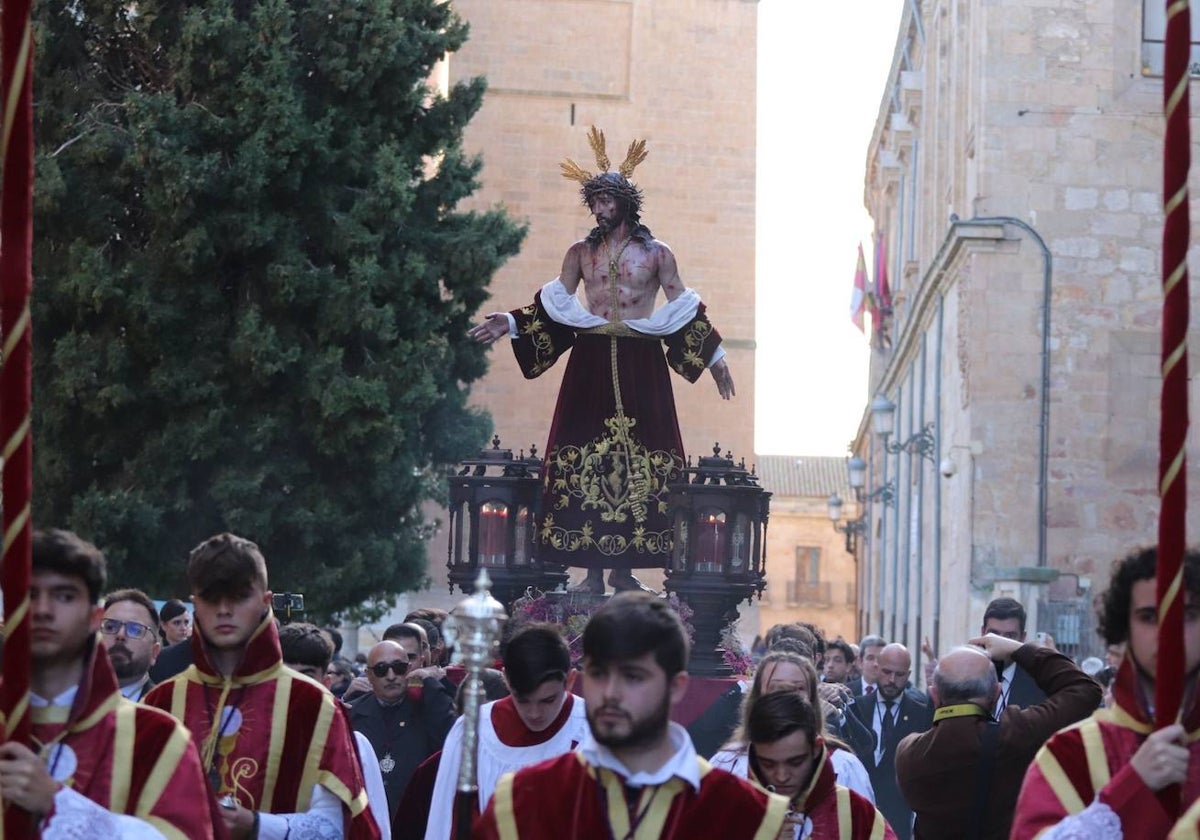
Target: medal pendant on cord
[(387, 764)]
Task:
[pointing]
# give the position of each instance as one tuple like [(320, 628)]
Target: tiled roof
[(813, 476)]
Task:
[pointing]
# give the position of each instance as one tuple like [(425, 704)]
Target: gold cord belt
[(619, 329)]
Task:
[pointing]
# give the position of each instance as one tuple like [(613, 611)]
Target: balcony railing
[(809, 593)]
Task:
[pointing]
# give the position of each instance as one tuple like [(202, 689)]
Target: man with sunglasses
[(129, 630), (404, 729)]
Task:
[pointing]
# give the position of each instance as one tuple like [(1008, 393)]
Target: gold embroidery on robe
[(620, 479), (697, 333), (543, 346)]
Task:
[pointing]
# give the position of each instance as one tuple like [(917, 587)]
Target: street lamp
[(852, 529), (856, 473), (883, 420), (883, 416)]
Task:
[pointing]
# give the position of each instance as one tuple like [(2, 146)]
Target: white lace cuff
[(75, 817), (322, 821), (307, 826), (1095, 822)]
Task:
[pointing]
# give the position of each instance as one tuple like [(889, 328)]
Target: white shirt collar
[(64, 699), (682, 763), (133, 690), (1007, 674)]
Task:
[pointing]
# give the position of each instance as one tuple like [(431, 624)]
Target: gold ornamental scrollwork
[(618, 478)]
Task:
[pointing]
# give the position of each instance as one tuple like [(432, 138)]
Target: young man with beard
[(540, 719), (636, 774), (105, 767), (129, 631), (788, 756), (277, 752), (614, 443), (1101, 778)]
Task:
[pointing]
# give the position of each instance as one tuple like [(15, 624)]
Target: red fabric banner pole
[(16, 283), (1172, 459)]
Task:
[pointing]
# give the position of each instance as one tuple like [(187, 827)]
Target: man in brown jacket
[(962, 777)]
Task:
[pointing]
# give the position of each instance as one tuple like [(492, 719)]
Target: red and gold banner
[(16, 283), (1172, 463)]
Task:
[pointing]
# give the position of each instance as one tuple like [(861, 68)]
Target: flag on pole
[(881, 295), (858, 298), (883, 290)]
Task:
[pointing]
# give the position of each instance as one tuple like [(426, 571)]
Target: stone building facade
[(811, 574), (1015, 170)]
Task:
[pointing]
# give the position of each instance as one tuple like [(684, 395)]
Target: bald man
[(964, 774), (891, 713), (405, 716)]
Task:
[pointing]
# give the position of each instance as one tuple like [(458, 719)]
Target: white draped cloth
[(495, 759)]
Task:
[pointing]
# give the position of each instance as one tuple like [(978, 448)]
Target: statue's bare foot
[(592, 584), (623, 581)]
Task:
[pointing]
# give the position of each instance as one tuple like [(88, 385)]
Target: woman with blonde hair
[(787, 671)]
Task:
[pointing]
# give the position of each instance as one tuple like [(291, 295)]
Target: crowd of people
[(224, 721)]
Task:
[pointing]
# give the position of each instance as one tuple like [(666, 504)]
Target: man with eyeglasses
[(403, 729), (103, 766), (129, 630)]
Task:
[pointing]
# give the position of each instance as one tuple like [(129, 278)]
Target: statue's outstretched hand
[(493, 328), (720, 372)]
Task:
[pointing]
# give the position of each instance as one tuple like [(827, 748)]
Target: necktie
[(887, 728), (1002, 700), (870, 690)]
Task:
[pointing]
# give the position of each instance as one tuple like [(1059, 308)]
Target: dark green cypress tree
[(252, 284)]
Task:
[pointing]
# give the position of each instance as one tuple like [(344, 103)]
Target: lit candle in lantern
[(711, 538), (493, 521), (501, 553)]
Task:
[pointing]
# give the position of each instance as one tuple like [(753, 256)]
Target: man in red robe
[(1101, 778), (106, 767), (539, 720), (636, 775), (277, 751), (788, 756), (614, 444)]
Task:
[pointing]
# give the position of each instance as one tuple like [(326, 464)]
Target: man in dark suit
[(964, 774), (868, 664), (404, 730), (890, 714), (1006, 617)]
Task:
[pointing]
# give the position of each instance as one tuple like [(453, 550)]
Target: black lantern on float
[(493, 507), (719, 553)]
